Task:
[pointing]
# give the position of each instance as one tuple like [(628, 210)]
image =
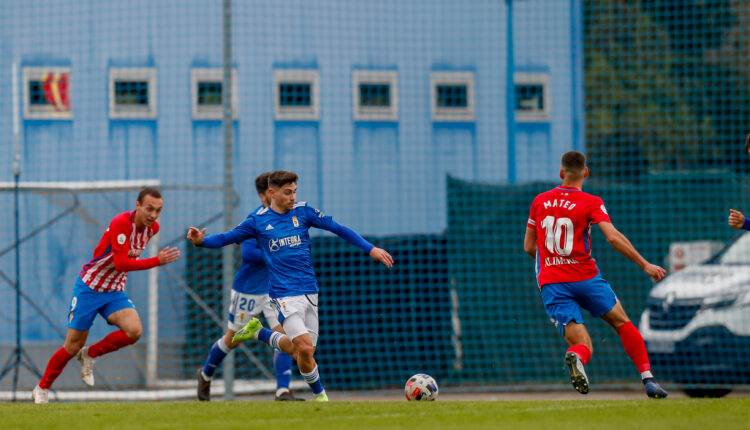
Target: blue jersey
[(284, 241), (252, 278)]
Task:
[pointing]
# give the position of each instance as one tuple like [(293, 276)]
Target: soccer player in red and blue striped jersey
[(558, 236), (100, 289)]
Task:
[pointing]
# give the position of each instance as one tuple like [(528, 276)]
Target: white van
[(697, 323)]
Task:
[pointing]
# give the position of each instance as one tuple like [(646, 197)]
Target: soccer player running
[(558, 237), (282, 232), (249, 299), (100, 288)]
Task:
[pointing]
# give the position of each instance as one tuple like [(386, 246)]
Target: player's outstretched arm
[(381, 255), (738, 220), (196, 236), (621, 243)]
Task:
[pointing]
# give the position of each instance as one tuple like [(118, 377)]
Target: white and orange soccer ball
[(421, 387)]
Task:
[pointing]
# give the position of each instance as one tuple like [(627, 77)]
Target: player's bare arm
[(621, 243), (196, 236), (382, 256), (736, 218), (529, 242)]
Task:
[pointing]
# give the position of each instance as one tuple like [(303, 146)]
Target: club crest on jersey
[(291, 241), (603, 209), (121, 238), (295, 221)]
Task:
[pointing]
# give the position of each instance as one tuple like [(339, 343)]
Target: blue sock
[(313, 380), (264, 335), (217, 353), (270, 337), (282, 362)]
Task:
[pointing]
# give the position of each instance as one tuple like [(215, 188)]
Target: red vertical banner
[(56, 91)]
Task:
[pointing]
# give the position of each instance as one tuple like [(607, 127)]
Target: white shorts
[(243, 307), (299, 315)]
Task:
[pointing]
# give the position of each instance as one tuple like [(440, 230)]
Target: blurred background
[(428, 126)]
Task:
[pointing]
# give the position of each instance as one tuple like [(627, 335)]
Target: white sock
[(647, 374)]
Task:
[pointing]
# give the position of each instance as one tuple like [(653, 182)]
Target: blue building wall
[(380, 178)]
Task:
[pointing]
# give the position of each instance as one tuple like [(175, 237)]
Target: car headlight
[(721, 300)]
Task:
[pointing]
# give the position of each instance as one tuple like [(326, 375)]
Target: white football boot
[(40, 395), (87, 366)]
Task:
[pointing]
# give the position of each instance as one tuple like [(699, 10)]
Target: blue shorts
[(563, 301), (86, 303)]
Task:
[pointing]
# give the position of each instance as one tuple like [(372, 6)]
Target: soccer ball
[(421, 387)]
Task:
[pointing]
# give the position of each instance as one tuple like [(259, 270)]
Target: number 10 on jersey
[(558, 235)]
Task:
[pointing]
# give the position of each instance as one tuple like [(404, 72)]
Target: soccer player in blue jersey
[(249, 299), (282, 232)]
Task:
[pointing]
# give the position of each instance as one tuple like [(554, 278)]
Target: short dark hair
[(261, 182), (280, 178), (747, 143), (148, 191), (574, 162)]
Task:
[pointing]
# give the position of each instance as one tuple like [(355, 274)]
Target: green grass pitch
[(453, 415)]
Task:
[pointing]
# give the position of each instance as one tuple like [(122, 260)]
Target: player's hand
[(382, 256), (655, 272), (196, 236), (736, 219), (168, 255)]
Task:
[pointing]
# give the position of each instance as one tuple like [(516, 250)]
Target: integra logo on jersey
[(291, 241)]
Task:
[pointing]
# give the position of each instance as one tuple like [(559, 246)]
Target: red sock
[(633, 343), (112, 342), (54, 368), (584, 353)]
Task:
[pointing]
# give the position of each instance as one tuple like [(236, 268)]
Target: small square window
[(531, 97), (47, 93), (132, 93), (375, 95), (296, 94), (208, 95), (452, 95)]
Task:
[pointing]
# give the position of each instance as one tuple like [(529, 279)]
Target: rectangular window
[(207, 90), (132, 93), (209, 94), (47, 93), (296, 94), (375, 95), (531, 97), (452, 95)]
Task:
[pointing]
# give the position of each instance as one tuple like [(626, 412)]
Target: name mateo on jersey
[(565, 204), (276, 244)]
